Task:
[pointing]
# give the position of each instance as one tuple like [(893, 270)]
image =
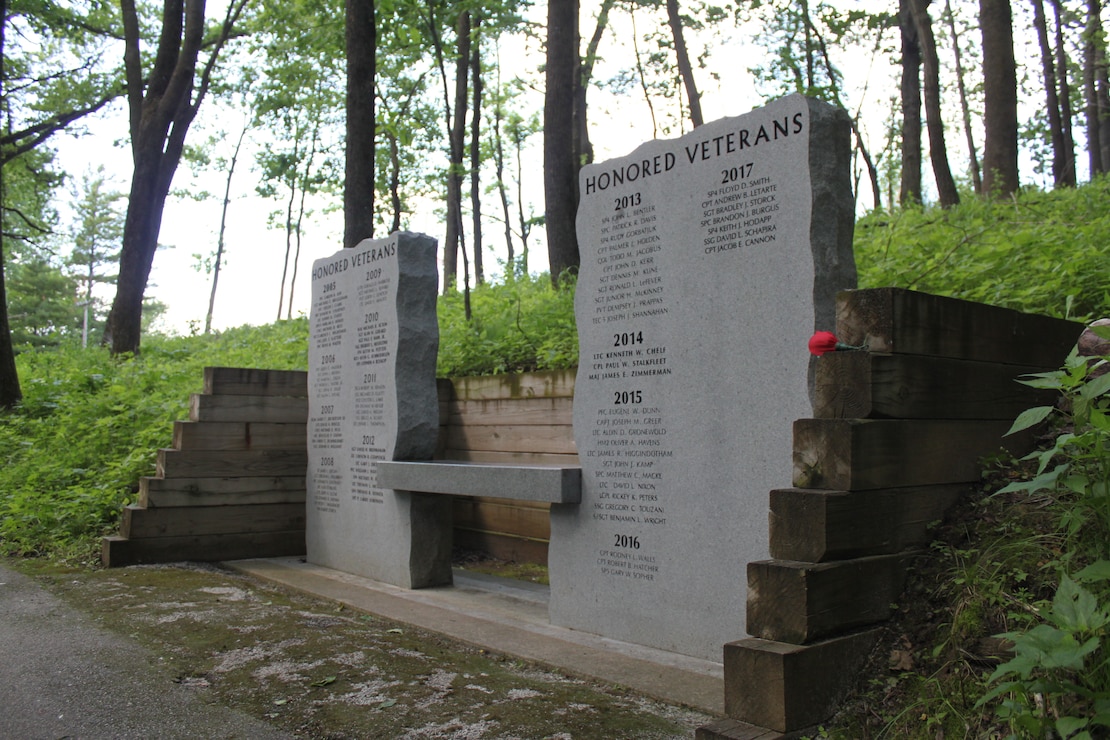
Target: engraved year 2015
[(622, 398)]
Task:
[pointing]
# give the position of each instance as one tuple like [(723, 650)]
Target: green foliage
[(1042, 252), (1059, 678), (520, 324), (90, 426)]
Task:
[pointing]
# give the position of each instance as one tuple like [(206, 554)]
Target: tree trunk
[(162, 107), (223, 231), (1066, 122), (965, 109), (358, 185), (938, 149), (560, 161), (1092, 39), (1055, 121), (10, 393), (476, 154), (1000, 150), (582, 143), (457, 133), (910, 188), (685, 69)]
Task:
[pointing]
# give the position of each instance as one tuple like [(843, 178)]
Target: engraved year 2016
[(735, 174), (621, 202), (626, 540), (621, 398), (627, 338)]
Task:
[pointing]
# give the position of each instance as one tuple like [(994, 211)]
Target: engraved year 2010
[(626, 201), (626, 540), (626, 338), (621, 398), (735, 174)]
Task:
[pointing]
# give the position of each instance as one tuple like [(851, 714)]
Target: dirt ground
[(319, 670)]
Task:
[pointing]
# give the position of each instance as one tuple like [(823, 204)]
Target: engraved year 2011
[(622, 398), (626, 201), (735, 174), (626, 540), (628, 338)]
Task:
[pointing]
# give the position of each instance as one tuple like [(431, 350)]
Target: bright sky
[(251, 276)]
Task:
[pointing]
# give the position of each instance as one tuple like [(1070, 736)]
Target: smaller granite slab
[(372, 397)]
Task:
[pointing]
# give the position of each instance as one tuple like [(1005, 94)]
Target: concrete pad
[(508, 617)]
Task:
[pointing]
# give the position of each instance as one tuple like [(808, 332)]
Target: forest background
[(456, 126)]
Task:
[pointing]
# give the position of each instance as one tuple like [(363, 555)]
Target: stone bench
[(551, 484)]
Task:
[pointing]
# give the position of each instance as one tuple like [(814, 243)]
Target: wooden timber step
[(221, 491), (233, 486)]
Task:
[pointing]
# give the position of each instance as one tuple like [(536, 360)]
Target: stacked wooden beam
[(509, 420), (233, 485), (899, 435)]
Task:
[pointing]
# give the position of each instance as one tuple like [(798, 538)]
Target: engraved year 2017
[(735, 174), (626, 201)]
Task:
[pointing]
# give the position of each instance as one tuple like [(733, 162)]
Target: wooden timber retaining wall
[(233, 486), (898, 436)]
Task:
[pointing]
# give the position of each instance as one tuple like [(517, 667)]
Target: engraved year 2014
[(628, 338)]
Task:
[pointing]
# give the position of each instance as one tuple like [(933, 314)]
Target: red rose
[(822, 342)]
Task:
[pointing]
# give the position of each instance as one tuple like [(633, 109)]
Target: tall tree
[(10, 392), (476, 151), (1064, 97), (1094, 85), (910, 188), (163, 102), (1061, 162), (965, 108), (358, 184), (938, 149), (560, 161), (96, 242), (1000, 150), (685, 69)]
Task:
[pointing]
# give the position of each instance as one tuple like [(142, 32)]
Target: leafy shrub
[(90, 426), (1042, 252), (521, 324)]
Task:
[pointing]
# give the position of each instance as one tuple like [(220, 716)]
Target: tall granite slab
[(707, 263), (372, 396)]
